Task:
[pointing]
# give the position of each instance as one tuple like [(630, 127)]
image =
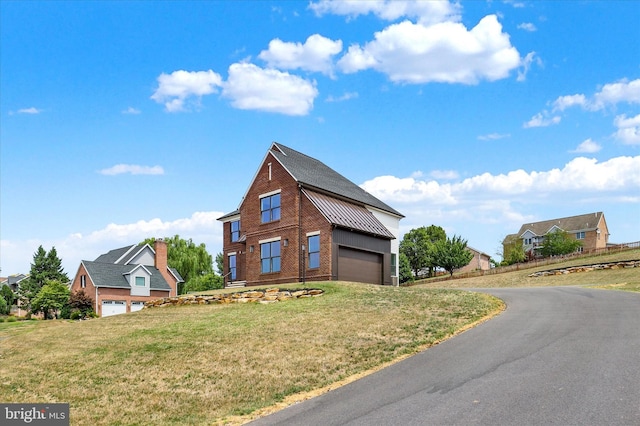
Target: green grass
[(201, 364)]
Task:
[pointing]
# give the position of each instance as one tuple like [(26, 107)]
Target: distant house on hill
[(13, 281), (480, 261), (123, 279), (301, 220), (591, 229)]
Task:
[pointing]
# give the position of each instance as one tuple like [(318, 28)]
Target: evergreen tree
[(45, 267)]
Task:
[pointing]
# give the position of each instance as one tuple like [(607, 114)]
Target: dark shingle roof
[(113, 255), (584, 222), (314, 174), (113, 275)]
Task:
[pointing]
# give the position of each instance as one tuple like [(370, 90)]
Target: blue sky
[(126, 120)]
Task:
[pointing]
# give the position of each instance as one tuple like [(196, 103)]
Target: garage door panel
[(359, 266), (136, 306), (113, 307)]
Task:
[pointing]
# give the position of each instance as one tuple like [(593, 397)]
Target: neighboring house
[(13, 281), (590, 229), (300, 220), (480, 261), (123, 279)]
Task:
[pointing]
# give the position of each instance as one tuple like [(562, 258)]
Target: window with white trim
[(580, 235), (83, 281), (270, 208), (140, 282), (313, 242), (270, 257)]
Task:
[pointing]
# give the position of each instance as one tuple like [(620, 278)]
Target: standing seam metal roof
[(347, 215)]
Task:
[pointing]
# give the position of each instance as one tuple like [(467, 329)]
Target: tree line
[(424, 250)]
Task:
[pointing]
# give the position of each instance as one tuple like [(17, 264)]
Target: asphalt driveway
[(556, 356)]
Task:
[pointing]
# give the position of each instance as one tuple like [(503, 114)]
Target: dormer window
[(140, 282)]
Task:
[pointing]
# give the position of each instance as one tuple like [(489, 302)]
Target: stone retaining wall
[(587, 268), (270, 295)]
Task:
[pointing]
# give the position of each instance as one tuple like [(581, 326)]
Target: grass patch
[(200, 364)]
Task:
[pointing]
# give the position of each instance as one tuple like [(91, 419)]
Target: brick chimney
[(160, 262)]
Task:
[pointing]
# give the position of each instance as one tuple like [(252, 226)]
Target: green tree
[(4, 308), (417, 245), (220, 263), (414, 246), (451, 254), (189, 259), (52, 297), (204, 282), (558, 243), (434, 234), (45, 267), (405, 269), (8, 295)]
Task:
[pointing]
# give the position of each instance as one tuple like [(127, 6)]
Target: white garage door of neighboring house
[(359, 266), (136, 306), (113, 307)]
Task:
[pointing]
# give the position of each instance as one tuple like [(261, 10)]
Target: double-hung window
[(235, 231), (270, 257), (314, 251), (270, 208)]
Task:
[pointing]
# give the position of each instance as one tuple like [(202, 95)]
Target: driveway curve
[(556, 356)]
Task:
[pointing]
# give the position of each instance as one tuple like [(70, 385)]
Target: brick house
[(301, 220), (590, 229), (123, 279), (480, 261)]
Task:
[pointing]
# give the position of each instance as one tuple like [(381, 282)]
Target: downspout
[(97, 300), (300, 260)]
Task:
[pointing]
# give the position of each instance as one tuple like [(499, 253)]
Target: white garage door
[(113, 307), (136, 306)]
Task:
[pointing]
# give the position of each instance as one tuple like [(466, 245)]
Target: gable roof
[(113, 275), (585, 222), (314, 174), (115, 255), (348, 215)]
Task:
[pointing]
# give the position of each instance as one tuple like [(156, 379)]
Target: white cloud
[(425, 12), (444, 174), (176, 88), (525, 65), (201, 227), (31, 111), (614, 93), (580, 175), (494, 136), (254, 88), (345, 97), (628, 129), (588, 147), (527, 26), (133, 169), (564, 102), (445, 52), (314, 55), (542, 120), (131, 110)]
